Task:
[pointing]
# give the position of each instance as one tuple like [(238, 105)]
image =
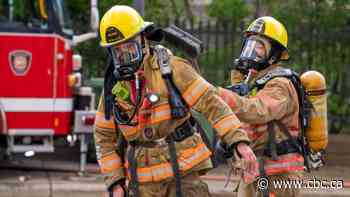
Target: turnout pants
[(191, 186)]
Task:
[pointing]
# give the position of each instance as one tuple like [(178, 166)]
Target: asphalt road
[(35, 177)]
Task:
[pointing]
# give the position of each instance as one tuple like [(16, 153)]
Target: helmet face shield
[(254, 50), (255, 53), (126, 53), (127, 57)]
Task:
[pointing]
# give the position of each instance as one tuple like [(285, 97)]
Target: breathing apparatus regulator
[(127, 58)]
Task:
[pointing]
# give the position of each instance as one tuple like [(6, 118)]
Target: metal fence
[(309, 46), (221, 43)]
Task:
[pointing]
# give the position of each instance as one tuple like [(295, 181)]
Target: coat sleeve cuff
[(117, 177), (235, 137)]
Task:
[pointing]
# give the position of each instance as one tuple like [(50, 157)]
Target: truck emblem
[(20, 62)]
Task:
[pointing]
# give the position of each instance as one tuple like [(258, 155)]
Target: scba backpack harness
[(309, 110), (313, 120)]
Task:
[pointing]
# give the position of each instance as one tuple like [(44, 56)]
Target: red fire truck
[(41, 98)]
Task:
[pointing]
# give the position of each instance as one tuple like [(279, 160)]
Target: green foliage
[(324, 44), (162, 11), (229, 10), (321, 13)]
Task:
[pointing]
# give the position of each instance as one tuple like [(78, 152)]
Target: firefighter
[(144, 132), (266, 101)]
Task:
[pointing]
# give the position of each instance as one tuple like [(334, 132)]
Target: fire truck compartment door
[(28, 74)]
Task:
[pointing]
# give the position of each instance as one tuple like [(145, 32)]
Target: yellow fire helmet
[(271, 28), (120, 23)]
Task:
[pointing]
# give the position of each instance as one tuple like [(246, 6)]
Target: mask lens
[(127, 53), (253, 50)]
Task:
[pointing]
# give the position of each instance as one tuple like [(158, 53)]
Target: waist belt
[(282, 148), (182, 132), (179, 134)]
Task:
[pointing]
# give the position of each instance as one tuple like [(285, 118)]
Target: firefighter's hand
[(118, 191), (249, 158)]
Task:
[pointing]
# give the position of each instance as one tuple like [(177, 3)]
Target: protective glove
[(246, 158)]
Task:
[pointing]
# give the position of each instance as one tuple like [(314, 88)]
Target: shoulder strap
[(271, 140), (305, 105), (281, 72), (177, 103)]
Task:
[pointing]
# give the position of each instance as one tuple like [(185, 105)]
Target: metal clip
[(163, 59)]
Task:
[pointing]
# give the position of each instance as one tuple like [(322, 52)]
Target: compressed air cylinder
[(315, 87)]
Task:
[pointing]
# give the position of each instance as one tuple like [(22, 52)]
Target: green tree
[(229, 10)]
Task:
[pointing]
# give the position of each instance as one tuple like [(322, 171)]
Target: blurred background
[(56, 144), (318, 30)]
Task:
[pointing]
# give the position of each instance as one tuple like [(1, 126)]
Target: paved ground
[(27, 181), (64, 184)]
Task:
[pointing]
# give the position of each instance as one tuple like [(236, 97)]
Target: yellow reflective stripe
[(155, 173), (195, 90), (110, 163), (285, 163), (188, 158), (194, 157), (161, 113), (101, 122), (226, 124)]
